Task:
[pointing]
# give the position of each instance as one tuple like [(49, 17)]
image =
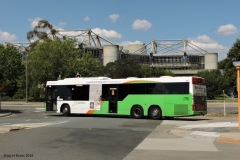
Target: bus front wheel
[(66, 110), (137, 112), (155, 112)]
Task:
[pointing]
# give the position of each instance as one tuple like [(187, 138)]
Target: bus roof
[(106, 80)]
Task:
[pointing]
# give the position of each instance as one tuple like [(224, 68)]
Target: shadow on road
[(90, 115), (10, 111), (190, 119), (129, 117)]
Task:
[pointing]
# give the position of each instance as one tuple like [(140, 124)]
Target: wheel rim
[(155, 112), (137, 112), (65, 110)]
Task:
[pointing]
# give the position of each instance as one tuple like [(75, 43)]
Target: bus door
[(113, 99), (51, 99)]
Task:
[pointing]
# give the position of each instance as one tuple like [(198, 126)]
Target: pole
[(26, 77), (238, 86), (237, 65), (224, 104)]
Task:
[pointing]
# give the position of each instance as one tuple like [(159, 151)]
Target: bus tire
[(137, 112), (155, 112), (65, 110)]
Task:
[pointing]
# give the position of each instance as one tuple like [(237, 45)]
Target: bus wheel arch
[(155, 112), (65, 109), (137, 111)]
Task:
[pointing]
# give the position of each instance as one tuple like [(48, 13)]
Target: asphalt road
[(39, 135), (51, 136)]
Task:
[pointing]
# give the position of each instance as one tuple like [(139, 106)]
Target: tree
[(122, 68), (41, 32), (52, 58), (234, 52), (88, 66), (230, 74), (215, 82), (147, 71), (11, 69), (229, 70)]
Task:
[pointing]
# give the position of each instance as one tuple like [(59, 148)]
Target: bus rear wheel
[(155, 112), (137, 112), (65, 110)]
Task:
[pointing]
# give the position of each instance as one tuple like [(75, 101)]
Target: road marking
[(211, 125), (205, 134)]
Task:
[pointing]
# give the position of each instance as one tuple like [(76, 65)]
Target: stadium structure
[(182, 57)]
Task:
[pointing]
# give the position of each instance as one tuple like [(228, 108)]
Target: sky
[(213, 25)]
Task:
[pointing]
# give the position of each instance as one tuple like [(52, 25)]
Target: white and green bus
[(137, 97)]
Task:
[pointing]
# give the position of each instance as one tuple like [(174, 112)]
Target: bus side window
[(80, 92), (55, 94), (122, 91), (105, 89)]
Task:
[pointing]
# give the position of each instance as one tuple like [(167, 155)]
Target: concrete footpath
[(191, 138)]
